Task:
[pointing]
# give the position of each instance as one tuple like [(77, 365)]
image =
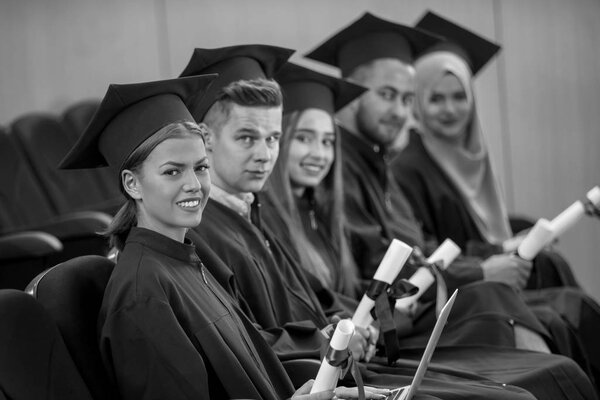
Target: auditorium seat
[(23, 255), (34, 362), (72, 294), (301, 370), (75, 119), (25, 207), (45, 142), (22, 202), (519, 223), (77, 116)]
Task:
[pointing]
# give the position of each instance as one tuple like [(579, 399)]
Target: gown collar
[(160, 243), (240, 203)]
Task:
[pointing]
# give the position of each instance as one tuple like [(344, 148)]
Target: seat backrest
[(72, 293), (519, 223), (23, 255), (75, 119), (77, 116), (45, 142), (22, 203), (34, 362)]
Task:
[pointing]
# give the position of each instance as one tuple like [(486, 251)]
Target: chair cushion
[(34, 362), (72, 293)]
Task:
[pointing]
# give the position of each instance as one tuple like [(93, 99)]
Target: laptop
[(407, 392)]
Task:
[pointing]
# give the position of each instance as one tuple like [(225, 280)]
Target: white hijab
[(466, 162)]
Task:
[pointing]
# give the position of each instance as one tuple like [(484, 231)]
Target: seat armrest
[(28, 244), (519, 223), (77, 224), (301, 370)]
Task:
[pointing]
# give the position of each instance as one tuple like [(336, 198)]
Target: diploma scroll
[(389, 268), (594, 196), (563, 221), (330, 369), (569, 217), (445, 254), (538, 237)]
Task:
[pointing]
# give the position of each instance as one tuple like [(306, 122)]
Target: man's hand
[(507, 268), (363, 343), (359, 343)]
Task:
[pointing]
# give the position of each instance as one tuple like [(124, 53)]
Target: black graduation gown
[(270, 288), (378, 211), (374, 207), (435, 202), (318, 233), (443, 214), (261, 278), (168, 330), (486, 306)]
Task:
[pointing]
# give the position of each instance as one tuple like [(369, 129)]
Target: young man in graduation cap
[(243, 120), (378, 54), (243, 114)]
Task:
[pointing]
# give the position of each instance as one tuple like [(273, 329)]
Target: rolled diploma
[(390, 266), (539, 236), (594, 195), (562, 222), (328, 375), (566, 219), (423, 279)]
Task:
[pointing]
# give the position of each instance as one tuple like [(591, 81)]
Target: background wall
[(538, 101)]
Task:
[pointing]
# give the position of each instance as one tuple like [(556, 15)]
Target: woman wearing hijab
[(450, 135), (445, 171), (447, 176)]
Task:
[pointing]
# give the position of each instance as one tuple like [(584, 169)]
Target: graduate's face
[(244, 149), (383, 110), (446, 110), (312, 150), (172, 186)]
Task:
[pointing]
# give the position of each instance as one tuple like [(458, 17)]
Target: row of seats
[(48, 215)]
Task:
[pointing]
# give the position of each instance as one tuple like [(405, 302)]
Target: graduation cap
[(128, 115), (304, 88), (232, 63), (476, 50), (369, 38)]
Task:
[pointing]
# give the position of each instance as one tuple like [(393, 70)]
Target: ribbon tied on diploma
[(430, 272), (591, 209), (385, 296), (338, 360)]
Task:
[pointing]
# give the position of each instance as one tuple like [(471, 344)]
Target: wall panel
[(56, 52), (552, 66)]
